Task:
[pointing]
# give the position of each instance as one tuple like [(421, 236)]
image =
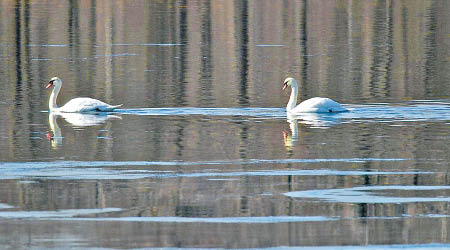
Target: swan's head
[(289, 82), (54, 81)]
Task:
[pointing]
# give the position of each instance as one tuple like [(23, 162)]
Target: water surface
[(203, 154)]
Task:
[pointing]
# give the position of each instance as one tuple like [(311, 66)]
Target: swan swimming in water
[(313, 105), (76, 105)]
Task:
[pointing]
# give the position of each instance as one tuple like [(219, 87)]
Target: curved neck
[(293, 99), (52, 102)]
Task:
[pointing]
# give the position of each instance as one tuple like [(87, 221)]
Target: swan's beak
[(285, 85), (49, 84)]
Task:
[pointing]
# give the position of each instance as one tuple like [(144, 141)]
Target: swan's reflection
[(316, 120), (56, 138), (76, 120), (87, 119), (290, 140)]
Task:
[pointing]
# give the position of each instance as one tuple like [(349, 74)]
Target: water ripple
[(251, 112), (415, 111), (378, 112)]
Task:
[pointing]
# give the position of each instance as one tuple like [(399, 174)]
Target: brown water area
[(203, 154)]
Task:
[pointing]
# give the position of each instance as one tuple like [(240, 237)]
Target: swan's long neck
[(293, 99), (52, 102)]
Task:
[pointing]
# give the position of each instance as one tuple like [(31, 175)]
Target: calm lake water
[(202, 153)]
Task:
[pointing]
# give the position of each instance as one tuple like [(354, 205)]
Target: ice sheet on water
[(265, 219), (67, 213), (363, 195), (103, 170), (5, 206)]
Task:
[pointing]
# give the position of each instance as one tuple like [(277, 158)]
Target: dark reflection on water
[(203, 154)]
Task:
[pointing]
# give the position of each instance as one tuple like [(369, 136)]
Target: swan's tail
[(116, 106), (111, 107)]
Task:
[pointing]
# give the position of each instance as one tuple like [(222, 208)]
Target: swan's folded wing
[(84, 104), (318, 105)]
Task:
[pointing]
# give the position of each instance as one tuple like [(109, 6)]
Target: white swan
[(76, 105), (313, 105)]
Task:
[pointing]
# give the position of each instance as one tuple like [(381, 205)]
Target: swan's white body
[(313, 105), (76, 105)]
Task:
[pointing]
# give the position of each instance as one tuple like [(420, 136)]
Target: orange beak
[(49, 84)]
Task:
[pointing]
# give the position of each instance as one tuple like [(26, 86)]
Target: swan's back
[(86, 104), (318, 105)]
